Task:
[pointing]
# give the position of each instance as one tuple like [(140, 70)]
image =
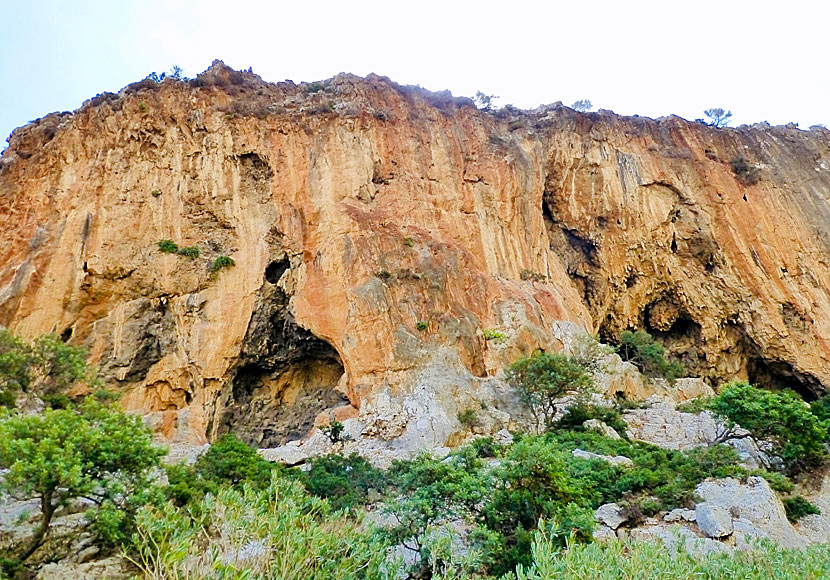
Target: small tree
[(543, 379), (582, 105), (717, 116), (484, 102), (94, 452), (650, 357), (47, 366), (781, 418)]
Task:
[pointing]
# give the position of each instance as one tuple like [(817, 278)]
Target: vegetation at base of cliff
[(640, 348), (780, 422), (46, 367), (623, 560), (92, 452)]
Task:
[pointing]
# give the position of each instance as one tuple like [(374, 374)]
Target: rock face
[(373, 226)]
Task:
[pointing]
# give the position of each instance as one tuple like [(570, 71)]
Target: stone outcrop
[(374, 225)]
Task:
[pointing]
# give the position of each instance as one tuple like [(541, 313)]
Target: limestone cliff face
[(378, 230)]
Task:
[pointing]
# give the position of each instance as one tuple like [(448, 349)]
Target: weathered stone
[(599, 426), (611, 515), (713, 520), (679, 514), (753, 504), (364, 243), (618, 460), (603, 534)]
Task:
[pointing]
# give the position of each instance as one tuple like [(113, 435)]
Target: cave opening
[(275, 270), (285, 377)]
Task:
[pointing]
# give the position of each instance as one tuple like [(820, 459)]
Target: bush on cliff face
[(796, 435), (95, 452), (640, 348), (543, 379)]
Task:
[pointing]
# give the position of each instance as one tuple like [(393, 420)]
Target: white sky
[(763, 60)]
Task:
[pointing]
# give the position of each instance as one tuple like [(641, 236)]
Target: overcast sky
[(765, 61)]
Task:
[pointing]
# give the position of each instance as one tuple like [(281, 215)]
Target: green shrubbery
[(640, 348), (221, 262), (543, 379), (93, 451), (794, 435), (46, 367)]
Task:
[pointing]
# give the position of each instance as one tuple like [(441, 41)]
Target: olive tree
[(543, 379), (94, 451)]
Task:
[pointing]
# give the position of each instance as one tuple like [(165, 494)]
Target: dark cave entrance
[(285, 377)]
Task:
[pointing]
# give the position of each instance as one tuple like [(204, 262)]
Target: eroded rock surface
[(373, 225)]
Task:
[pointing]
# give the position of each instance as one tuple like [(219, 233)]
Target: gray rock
[(604, 533), (599, 426), (713, 520), (680, 514), (611, 515), (618, 460)]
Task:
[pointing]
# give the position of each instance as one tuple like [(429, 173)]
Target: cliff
[(379, 230)]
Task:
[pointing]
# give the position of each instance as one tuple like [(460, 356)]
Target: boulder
[(713, 520), (599, 426), (611, 515)]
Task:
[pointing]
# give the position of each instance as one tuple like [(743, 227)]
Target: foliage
[(155, 192), (745, 172), (718, 117), (797, 507), (543, 378), (314, 87), (244, 533), (228, 461), (45, 367), (781, 418), (490, 334), (821, 409), (167, 246), (589, 352), (576, 415), (94, 451), (629, 559), (408, 242), (467, 417), (421, 325), (483, 101), (189, 252), (640, 348), (344, 481), (333, 430), (582, 105), (221, 262)]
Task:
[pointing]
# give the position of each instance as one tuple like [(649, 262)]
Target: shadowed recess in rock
[(285, 378)]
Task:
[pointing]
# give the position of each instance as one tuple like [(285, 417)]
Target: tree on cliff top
[(717, 116)]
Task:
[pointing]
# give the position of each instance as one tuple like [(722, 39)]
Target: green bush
[(344, 481), (650, 357), (421, 325), (222, 262), (797, 507), (467, 417), (46, 366), (782, 418), (745, 172), (189, 252), (576, 415), (543, 378), (490, 334), (93, 451), (167, 246)]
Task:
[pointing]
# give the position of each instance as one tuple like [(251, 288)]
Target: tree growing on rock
[(543, 379), (640, 348), (94, 452), (794, 434), (717, 117)]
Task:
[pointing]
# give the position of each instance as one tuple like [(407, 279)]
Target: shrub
[(650, 357), (167, 246), (745, 172), (221, 262), (490, 334), (383, 275), (582, 105), (782, 418), (95, 452), (46, 366), (191, 252), (467, 417), (142, 106), (589, 352), (333, 430), (543, 379), (344, 481), (576, 415), (408, 242), (155, 192), (421, 325), (797, 507)]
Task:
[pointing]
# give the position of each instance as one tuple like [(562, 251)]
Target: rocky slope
[(379, 230)]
